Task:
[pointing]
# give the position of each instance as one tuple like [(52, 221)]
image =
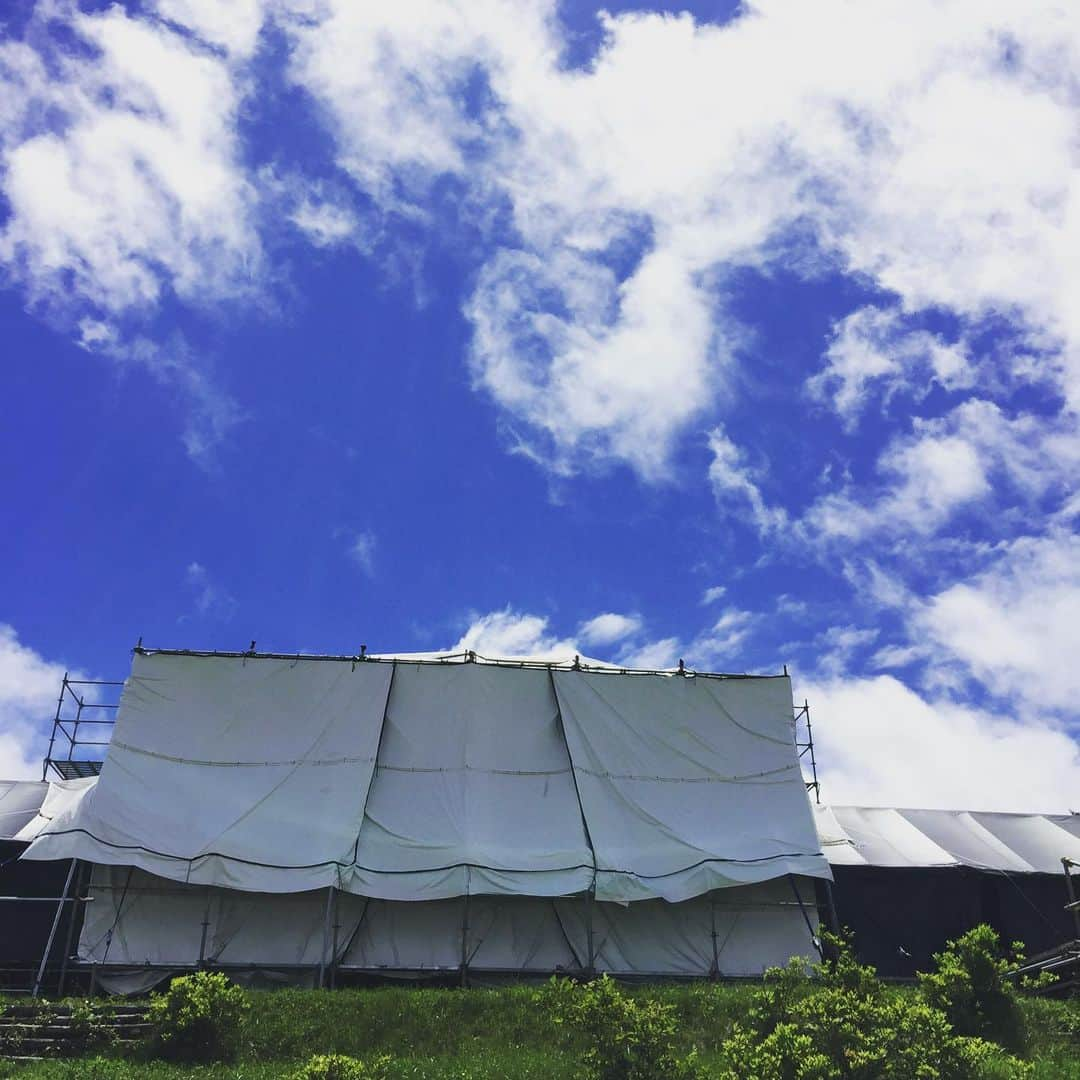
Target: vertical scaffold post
[(806, 917), (590, 934), (1074, 903), (82, 882), (813, 758), (205, 929), (465, 935), (52, 932), (807, 747), (715, 970), (80, 704), (56, 724), (334, 947), (326, 936)]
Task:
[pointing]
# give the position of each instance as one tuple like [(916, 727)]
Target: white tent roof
[(413, 779), (880, 836), (849, 835), (19, 803)]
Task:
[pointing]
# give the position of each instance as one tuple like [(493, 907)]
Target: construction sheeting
[(474, 791), (1013, 843), (136, 920), (19, 804), (54, 799), (427, 781), (687, 785)]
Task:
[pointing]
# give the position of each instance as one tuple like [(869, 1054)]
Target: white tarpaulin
[(687, 785), (424, 781), (1012, 843), (20, 801), (473, 792), (137, 920)]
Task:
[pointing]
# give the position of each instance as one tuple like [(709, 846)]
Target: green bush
[(343, 1067), (970, 986), (627, 1039), (836, 1021), (198, 1018)]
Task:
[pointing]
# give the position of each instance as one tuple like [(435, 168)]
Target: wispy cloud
[(210, 599), (360, 548)]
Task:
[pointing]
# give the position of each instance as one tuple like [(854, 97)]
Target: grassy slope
[(471, 1035)]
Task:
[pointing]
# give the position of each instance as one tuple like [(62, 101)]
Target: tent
[(309, 817), (29, 891), (909, 880)]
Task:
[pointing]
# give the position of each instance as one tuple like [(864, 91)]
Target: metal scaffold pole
[(52, 932)]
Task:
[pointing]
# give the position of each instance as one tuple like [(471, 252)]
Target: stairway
[(41, 1030)]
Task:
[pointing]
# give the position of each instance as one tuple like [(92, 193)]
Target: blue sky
[(743, 335)]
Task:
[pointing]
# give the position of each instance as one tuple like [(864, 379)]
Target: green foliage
[(505, 1034), (198, 1018), (970, 986), (343, 1067), (840, 969), (836, 1021), (91, 1027), (627, 1038)]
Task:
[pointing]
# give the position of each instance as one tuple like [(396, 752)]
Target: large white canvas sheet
[(137, 919), (1010, 843), (687, 784), (427, 781), (473, 792), (248, 774)]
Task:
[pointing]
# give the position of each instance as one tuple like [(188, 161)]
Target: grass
[(442, 1034)]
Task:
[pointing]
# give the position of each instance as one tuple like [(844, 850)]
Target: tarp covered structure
[(418, 814), (887, 837), (909, 880), (29, 889)]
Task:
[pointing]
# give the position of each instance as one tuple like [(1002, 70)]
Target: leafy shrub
[(627, 1039), (836, 1021), (970, 986), (198, 1018), (343, 1067)]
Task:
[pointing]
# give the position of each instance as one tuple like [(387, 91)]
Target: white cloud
[(871, 346), (718, 647), (361, 550), (735, 487), (927, 147), (509, 633), (136, 187), (878, 743), (608, 628), (974, 456), (838, 645), (230, 24), (606, 369), (211, 600), (121, 166), (29, 685), (654, 655), (1016, 625), (325, 223), (712, 594)]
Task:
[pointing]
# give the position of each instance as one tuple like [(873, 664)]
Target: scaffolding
[(82, 726), (100, 698), (77, 743), (804, 745)]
